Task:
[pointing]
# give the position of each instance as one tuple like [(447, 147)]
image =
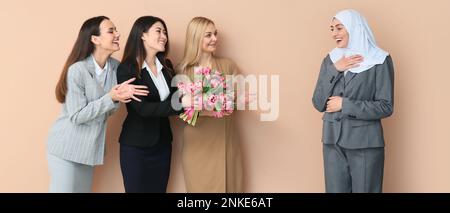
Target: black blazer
[(147, 122)]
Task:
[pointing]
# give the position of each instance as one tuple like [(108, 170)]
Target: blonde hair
[(193, 49)]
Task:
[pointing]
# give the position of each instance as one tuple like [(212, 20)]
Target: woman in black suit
[(145, 140)]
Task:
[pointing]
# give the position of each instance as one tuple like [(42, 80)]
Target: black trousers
[(145, 170)]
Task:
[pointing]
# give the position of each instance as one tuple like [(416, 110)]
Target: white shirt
[(101, 74), (158, 80)]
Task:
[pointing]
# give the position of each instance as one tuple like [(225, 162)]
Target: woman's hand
[(346, 63), (125, 91), (334, 104), (116, 95), (187, 101)]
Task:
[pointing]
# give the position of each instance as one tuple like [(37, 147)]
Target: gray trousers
[(353, 170), (69, 177)]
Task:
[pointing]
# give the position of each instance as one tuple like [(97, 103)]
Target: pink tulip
[(198, 85), (206, 71), (198, 70), (215, 83), (189, 112)]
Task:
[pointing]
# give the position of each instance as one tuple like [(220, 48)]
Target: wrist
[(113, 96)]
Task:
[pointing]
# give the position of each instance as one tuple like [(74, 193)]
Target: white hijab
[(361, 41)]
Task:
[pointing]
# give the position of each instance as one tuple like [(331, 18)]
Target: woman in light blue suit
[(88, 92), (355, 90)]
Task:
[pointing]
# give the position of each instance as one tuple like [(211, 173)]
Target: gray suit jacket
[(78, 134), (367, 98)]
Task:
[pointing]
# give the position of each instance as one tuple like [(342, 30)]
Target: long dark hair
[(134, 53), (82, 48)]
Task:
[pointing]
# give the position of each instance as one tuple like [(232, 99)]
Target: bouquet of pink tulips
[(207, 92)]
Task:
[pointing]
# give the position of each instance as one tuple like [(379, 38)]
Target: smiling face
[(155, 38), (209, 40), (108, 39), (339, 33)]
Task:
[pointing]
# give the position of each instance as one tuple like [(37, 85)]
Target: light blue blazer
[(78, 134)]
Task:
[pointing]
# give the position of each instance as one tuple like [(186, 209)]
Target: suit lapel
[(109, 81), (167, 77), (349, 77), (90, 66), (91, 69), (149, 82)]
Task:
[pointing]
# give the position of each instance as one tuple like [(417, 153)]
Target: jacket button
[(341, 94), (337, 119)]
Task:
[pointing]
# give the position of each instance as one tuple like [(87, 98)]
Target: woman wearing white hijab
[(355, 90)]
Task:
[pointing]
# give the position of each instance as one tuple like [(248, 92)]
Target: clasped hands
[(334, 103), (125, 91)]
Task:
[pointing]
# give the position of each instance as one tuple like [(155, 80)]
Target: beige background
[(287, 37)]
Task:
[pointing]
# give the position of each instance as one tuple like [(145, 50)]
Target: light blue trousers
[(69, 177)]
